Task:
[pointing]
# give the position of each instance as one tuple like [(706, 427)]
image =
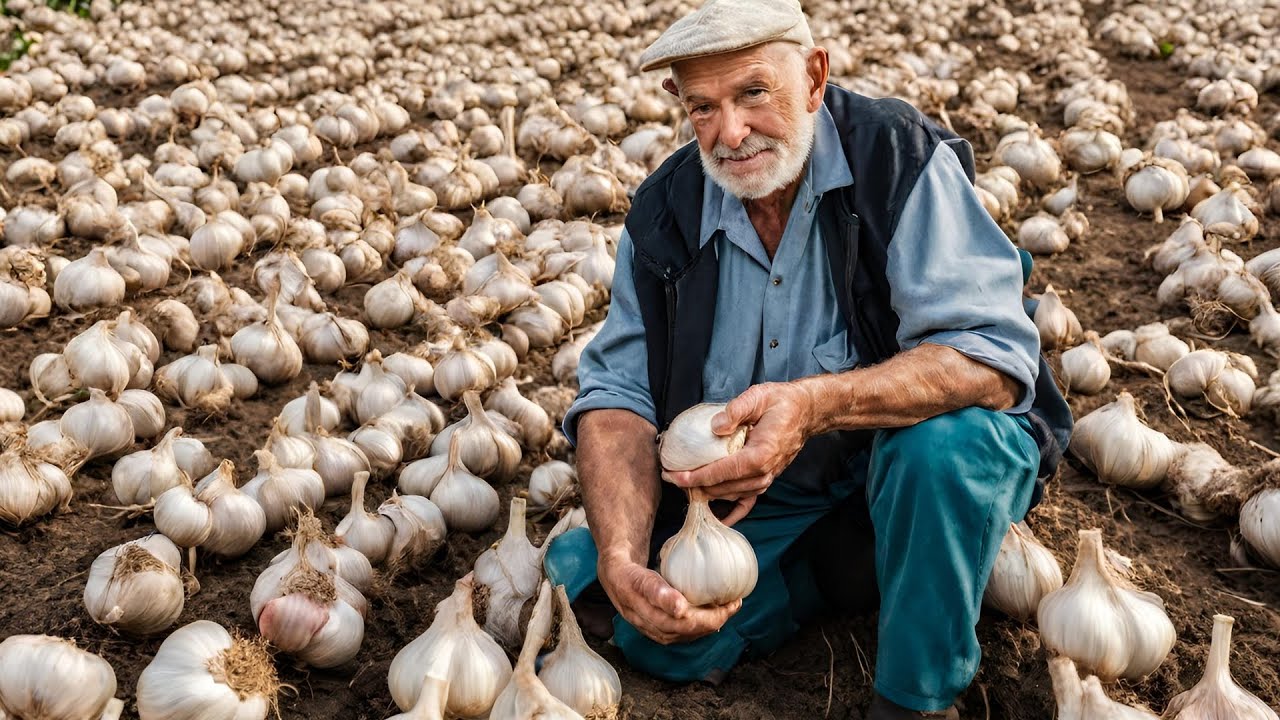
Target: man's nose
[(733, 128)]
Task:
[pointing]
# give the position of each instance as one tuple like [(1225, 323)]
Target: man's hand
[(781, 415), (655, 608)]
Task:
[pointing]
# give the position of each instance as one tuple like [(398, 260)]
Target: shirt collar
[(827, 169)]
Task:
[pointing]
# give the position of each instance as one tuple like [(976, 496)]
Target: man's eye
[(702, 110), (755, 92)]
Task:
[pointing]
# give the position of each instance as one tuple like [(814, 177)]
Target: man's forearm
[(924, 382), (618, 471)]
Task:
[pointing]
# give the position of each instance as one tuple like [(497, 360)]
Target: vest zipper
[(669, 286)]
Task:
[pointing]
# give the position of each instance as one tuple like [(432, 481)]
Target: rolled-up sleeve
[(956, 279), (613, 372)]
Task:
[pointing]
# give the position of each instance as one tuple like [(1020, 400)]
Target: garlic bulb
[(98, 425), (136, 586), (89, 283), (381, 447), (294, 418), (1260, 524), (193, 457), (367, 532), (140, 477), (176, 324), (283, 491), (329, 339), (202, 672), (51, 679), (689, 443), (197, 381), (1155, 185), (1217, 695), (708, 562), (1056, 322), (30, 487), (237, 521), (413, 370), (308, 611), (326, 552), (12, 408), (525, 696), (463, 369), (509, 572), (1206, 487), (1085, 368), (1041, 234), (468, 503), (462, 667), (145, 410), (1227, 214), (1085, 700), (552, 485), (1224, 380), (1157, 347), (1025, 571), (1102, 621), (291, 451), (50, 377), (1031, 156), (1089, 150), (266, 348), (95, 360), (379, 390), (535, 424), (576, 674), (394, 302), (1114, 443), (487, 449)]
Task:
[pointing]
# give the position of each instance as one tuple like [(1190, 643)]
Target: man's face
[(753, 113)]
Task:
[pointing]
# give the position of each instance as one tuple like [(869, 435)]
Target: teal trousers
[(940, 496)]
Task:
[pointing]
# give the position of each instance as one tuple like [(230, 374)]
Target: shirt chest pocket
[(836, 355)]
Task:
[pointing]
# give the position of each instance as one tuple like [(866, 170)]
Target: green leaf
[(1166, 49)]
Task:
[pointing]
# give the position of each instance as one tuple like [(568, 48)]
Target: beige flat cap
[(721, 26)]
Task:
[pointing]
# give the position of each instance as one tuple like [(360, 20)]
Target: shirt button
[(777, 281), (773, 343)]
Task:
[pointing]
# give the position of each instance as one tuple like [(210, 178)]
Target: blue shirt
[(955, 279)]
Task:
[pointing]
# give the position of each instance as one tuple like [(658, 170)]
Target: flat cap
[(722, 26)]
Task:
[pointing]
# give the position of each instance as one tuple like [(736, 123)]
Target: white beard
[(790, 158)]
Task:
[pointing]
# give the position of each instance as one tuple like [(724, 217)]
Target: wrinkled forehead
[(726, 72)]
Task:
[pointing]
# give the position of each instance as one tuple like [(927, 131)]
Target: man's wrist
[(823, 403), (618, 554)]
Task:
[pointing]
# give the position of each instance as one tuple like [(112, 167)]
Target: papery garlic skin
[(1103, 622), (367, 532), (282, 491), (1224, 380), (525, 697), (1217, 696), (1025, 571), (510, 571), (1119, 449), (141, 477), (455, 651), (51, 679), (1260, 524), (201, 672), (1056, 322), (1085, 368), (553, 484), (30, 487), (689, 443), (136, 586), (576, 674), (708, 562), (237, 521)]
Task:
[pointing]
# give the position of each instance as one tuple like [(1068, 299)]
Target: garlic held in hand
[(708, 562), (1216, 696), (510, 571), (453, 656), (576, 674), (1114, 443), (51, 679), (1056, 322), (526, 697), (1085, 368), (1025, 571), (136, 586), (202, 671), (689, 442), (1103, 622)]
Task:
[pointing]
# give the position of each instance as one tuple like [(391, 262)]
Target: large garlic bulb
[(535, 424), (708, 562), (1260, 524), (1084, 367), (327, 553), (468, 503), (197, 381), (136, 586), (1031, 156), (576, 674), (1114, 443), (1224, 380), (283, 491), (30, 487), (89, 283), (1025, 571), (309, 611), (1216, 696), (202, 672), (51, 679), (1157, 347), (237, 520), (462, 369), (98, 425), (1056, 322), (266, 348), (460, 664), (689, 443), (1102, 621), (1155, 185), (526, 697), (1227, 214), (510, 572), (486, 449)]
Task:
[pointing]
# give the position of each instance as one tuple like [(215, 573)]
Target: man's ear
[(817, 67), (670, 86)]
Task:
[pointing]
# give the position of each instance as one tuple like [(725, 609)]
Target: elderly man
[(820, 262)]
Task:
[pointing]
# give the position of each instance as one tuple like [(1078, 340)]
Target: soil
[(826, 670)]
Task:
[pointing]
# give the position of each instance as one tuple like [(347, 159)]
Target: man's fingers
[(657, 592), (746, 463), (742, 410), (740, 510), (736, 489)]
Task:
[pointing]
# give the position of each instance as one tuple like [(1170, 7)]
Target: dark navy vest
[(887, 143)]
